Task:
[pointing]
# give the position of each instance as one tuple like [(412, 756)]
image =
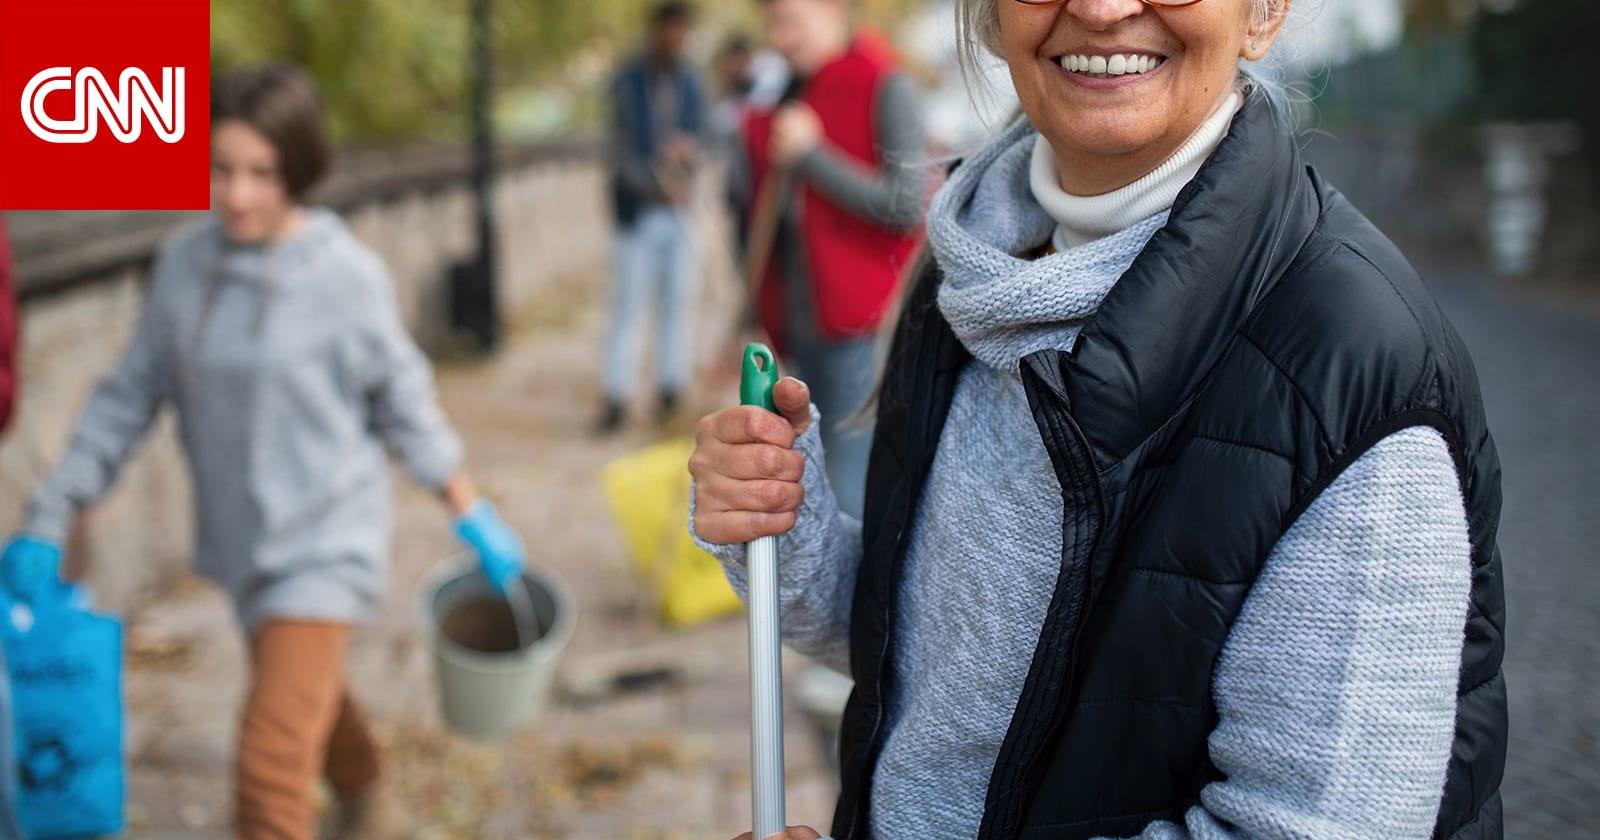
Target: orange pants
[(299, 722)]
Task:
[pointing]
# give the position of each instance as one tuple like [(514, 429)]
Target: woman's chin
[(1111, 140), (1107, 130)]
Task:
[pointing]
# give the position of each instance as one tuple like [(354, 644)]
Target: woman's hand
[(746, 470), (793, 832)]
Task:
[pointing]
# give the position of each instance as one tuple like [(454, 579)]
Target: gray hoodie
[(289, 369)]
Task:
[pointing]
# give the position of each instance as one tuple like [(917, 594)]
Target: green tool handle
[(758, 376)]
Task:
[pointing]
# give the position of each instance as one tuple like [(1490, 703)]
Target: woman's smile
[(1111, 67)]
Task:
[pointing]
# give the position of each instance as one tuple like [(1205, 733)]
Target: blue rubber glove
[(28, 565), (498, 547)]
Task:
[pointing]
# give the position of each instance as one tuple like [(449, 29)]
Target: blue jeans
[(841, 375), (654, 266)]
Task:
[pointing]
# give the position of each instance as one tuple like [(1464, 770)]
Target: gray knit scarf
[(984, 224)]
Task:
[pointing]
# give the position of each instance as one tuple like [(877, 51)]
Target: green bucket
[(491, 683)]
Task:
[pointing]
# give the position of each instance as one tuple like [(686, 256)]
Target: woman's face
[(247, 189), (1120, 80)]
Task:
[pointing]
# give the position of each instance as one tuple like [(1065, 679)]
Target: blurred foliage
[(397, 69), (392, 68)]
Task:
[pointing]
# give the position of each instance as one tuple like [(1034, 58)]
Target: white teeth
[(1115, 65)]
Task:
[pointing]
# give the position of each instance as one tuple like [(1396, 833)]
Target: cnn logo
[(105, 104), (124, 109)]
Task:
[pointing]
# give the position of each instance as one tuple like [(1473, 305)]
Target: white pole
[(766, 690), (757, 379)]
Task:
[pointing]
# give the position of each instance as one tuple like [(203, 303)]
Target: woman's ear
[(1262, 33)]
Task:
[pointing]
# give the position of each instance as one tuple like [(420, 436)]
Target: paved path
[(1538, 358)]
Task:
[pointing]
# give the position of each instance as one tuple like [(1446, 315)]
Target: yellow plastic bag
[(649, 496)]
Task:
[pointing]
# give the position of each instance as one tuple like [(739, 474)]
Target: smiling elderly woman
[(1180, 517)]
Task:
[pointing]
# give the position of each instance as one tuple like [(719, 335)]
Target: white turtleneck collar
[(1085, 218)]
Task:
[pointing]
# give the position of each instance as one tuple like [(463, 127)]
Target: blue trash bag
[(65, 667)]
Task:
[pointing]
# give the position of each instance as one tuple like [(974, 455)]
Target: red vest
[(856, 266)]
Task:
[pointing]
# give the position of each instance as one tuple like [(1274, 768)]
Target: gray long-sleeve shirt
[(889, 194), (289, 369)]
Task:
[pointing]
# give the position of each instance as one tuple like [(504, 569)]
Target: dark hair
[(737, 44), (281, 102), (671, 12)]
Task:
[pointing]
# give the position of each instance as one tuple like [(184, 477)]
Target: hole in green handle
[(758, 376)]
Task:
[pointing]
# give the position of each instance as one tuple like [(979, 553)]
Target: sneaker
[(611, 417), (667, 408)]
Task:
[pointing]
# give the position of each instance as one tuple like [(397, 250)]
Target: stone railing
[(82, 277)]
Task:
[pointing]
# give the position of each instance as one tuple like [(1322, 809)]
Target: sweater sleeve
[(114, 421), (891, 194), (404, 410), (817, 563), (1336, 689)]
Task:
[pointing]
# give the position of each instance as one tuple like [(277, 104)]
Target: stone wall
[(82, 279)]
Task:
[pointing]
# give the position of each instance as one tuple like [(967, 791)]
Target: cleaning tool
[(757, 378)]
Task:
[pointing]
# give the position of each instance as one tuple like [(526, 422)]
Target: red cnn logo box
[(105, 104)]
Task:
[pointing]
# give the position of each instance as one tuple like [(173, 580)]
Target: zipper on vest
[(858, 826), (1003, 816), (858, 820)]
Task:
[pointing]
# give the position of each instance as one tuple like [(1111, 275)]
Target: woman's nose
[(1103, 14), (236, 194)]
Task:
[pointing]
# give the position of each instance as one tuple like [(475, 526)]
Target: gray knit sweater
[(1336, 689), (289, 369)]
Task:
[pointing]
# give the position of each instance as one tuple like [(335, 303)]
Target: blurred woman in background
[(275, 336), (1181, 510)]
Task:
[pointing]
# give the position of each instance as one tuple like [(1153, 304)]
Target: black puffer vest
[(1266, 337)]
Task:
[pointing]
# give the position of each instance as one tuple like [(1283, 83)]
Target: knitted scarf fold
[(984, 224)]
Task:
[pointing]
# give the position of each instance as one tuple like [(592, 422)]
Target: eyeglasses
[(1164, 4)]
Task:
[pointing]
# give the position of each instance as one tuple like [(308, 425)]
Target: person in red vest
[(837, 177)]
